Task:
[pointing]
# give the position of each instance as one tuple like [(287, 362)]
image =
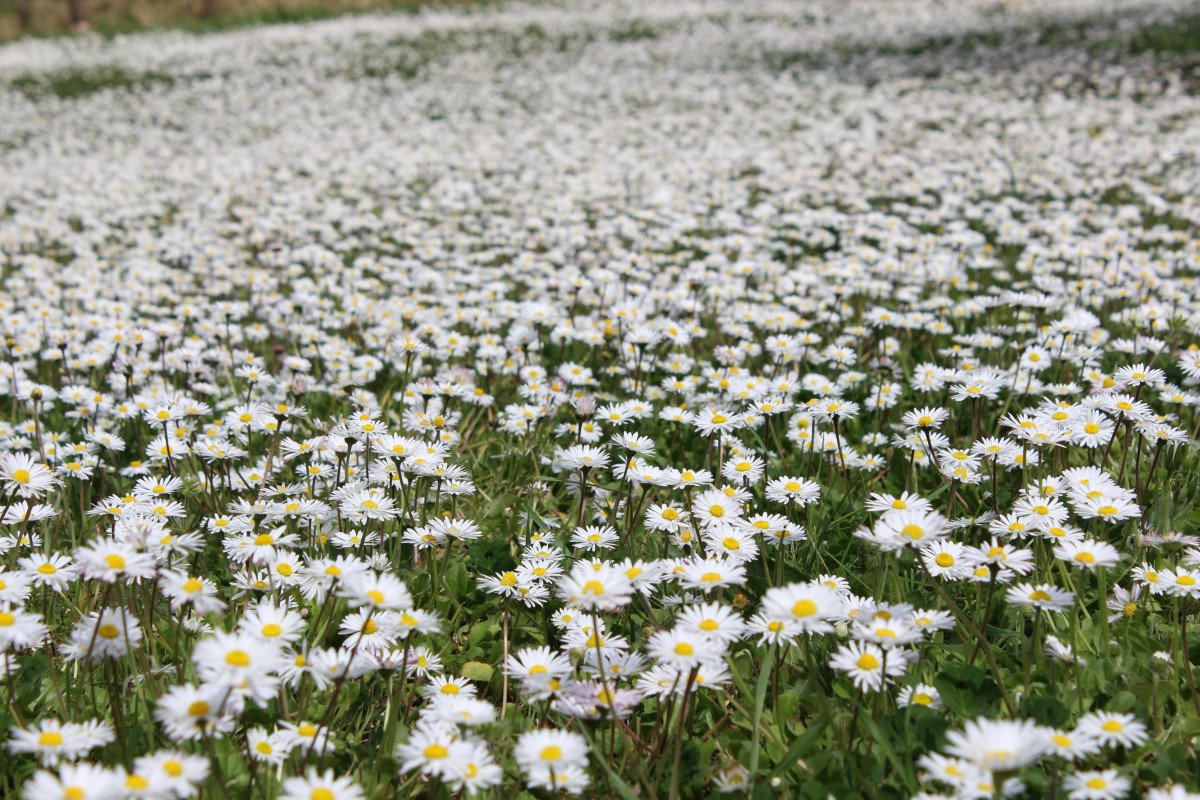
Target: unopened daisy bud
[(585, 407)]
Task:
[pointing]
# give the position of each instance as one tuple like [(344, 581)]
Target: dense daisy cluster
[(656, 401)]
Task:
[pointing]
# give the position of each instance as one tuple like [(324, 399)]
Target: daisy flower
[(868, 665), (1040, 596), (796, 491), (998, 745), (709, 574), (1114, 729), (314, 785), (1105, 784), (804, 606), (549, 750)]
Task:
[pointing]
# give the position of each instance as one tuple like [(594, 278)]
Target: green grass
[(1181, 36), (1176, 38), (634, 31), (80, 83)]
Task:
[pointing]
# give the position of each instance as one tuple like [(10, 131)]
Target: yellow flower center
[(237, 658), (436, 751), (804, 608)]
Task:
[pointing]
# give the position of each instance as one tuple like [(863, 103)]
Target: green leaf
[(480, 631), (488, 555), (760, 697), (457, 581), (477, 671), (967, 690), (1045, 710), (904, 768), (762, 791), (1124, 701), (800, 746)]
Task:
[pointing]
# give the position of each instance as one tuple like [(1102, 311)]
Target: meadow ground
[(110, 17), (650, 400)]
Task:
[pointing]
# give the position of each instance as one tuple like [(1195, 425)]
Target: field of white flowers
[(649, 400)]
